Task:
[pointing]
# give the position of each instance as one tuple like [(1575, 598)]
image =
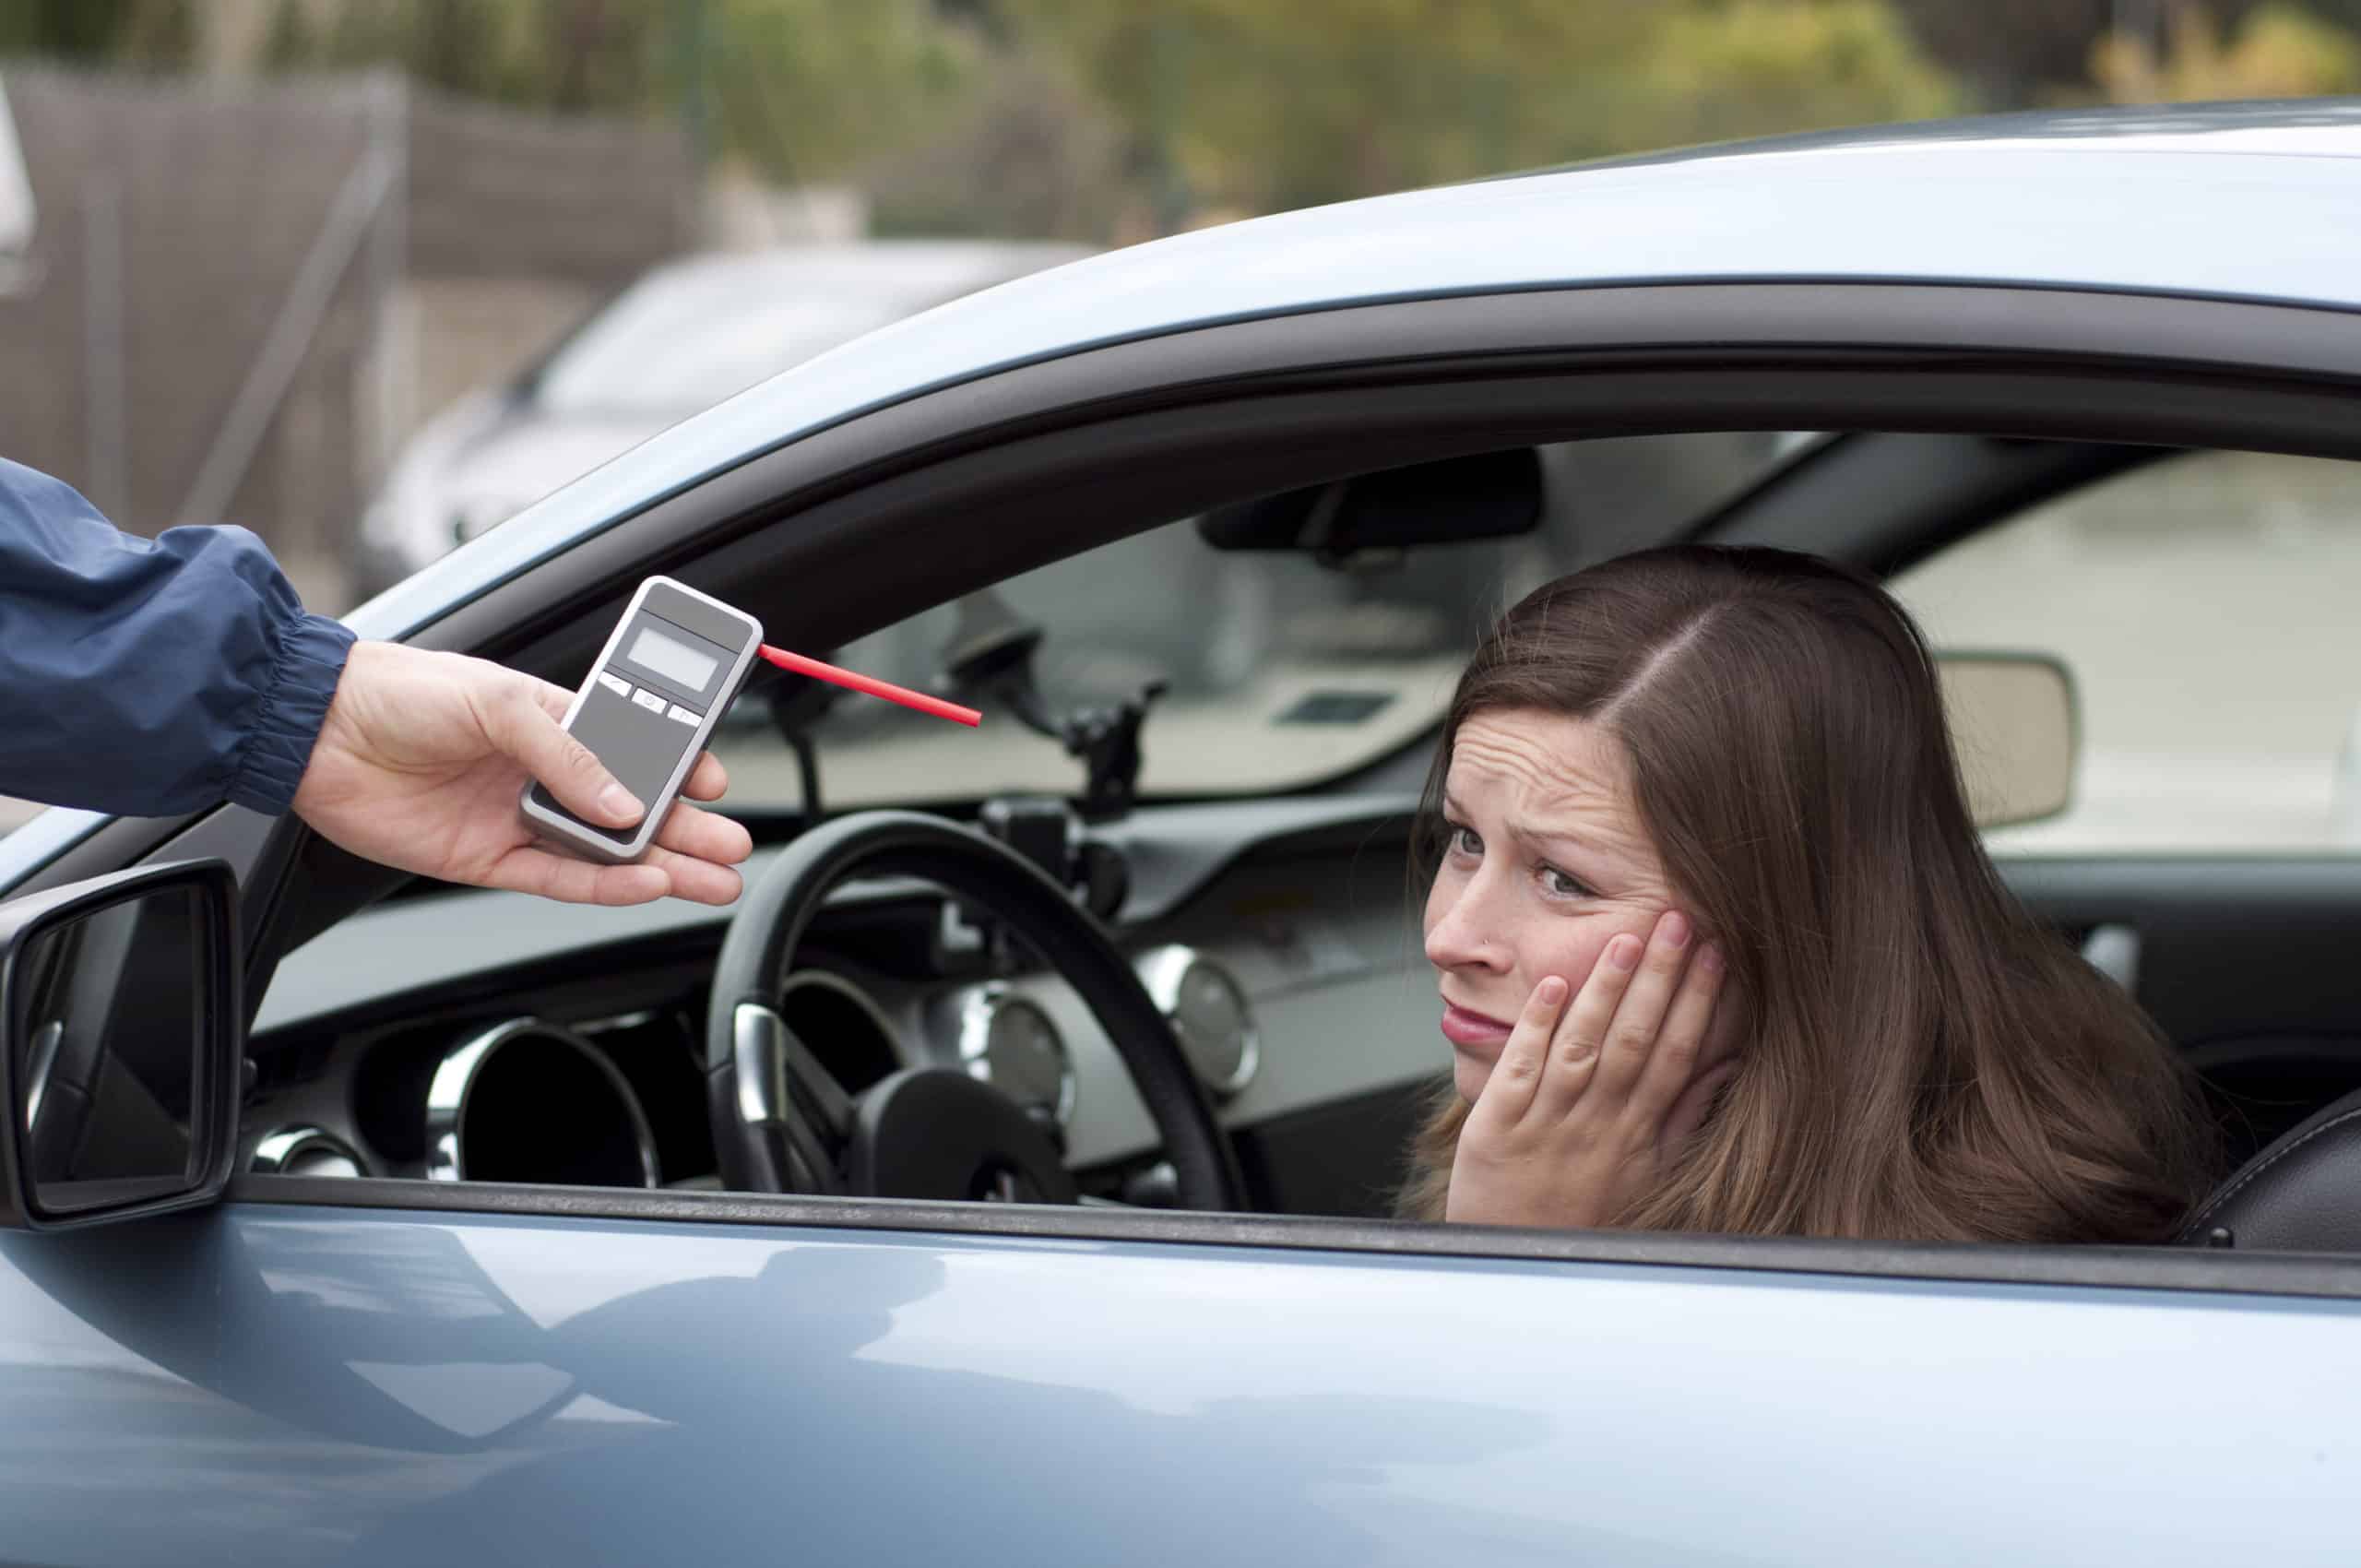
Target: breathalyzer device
[(673, 663)]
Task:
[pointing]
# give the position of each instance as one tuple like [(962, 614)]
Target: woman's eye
[(1464, 841), (1561, 885)]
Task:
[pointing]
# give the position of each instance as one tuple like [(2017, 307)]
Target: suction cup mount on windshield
[(990, 657)]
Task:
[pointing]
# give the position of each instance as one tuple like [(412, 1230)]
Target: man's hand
[(1581, 1116), (422, 759)]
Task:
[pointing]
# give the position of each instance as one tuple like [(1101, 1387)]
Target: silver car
[(1017, 1192)]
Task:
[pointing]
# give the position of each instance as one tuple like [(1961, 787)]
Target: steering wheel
[(781, 1123)]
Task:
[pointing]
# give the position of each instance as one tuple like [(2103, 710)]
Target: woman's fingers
[(1508, 1091), (1672, 1067), (1628, 1041)]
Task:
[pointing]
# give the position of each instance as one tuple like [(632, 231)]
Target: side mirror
[(2016, 728), (120, 1053)]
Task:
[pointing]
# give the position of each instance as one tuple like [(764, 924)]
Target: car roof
[(2243, 201), (827, 292)]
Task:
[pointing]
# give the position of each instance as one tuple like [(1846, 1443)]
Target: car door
[(371, 1370), (377, 1384)]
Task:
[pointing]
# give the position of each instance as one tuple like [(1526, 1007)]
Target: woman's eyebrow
[(1551, 833), (1564, 835)]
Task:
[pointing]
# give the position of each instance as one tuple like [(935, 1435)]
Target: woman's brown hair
[(1923, 1061)]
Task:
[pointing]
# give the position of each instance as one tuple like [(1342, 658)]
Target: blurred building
[(232, 300)]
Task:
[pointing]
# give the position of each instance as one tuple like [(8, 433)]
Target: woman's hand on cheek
[(1586, 1102)]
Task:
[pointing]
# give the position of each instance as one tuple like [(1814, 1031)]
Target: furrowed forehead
[(1550, 774)]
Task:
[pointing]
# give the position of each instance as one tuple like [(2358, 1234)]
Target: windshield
[(1281, 672)]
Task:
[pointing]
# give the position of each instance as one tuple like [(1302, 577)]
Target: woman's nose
[(1461, 937)]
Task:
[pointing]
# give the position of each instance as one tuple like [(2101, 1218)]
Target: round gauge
[(1207, 1008), (305, 1151), (1011, 1044)]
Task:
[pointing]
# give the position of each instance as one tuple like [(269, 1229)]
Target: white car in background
[(679, 340)]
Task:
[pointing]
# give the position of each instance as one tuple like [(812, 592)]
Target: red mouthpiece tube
[(871, 685)]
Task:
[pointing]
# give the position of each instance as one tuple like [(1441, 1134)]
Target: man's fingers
[(699, 881), (553, 700), (707, 779), (1632, 1038), (700, 834), (1509, 1088), (1670, 1070), (569, 881), (518, 719)]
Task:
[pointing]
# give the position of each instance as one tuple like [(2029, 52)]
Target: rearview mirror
[(121, 1050), (1454, 501), (2014, 726)]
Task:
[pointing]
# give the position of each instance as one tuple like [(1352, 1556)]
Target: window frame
[(1314, 395)]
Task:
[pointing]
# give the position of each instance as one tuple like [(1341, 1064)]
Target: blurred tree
[(1244, 105), (2009, 51), (1758, 65), (2018, 54), (2345, 14), (144, 34), (798, 89), (2281, 51), (1029, 156), (805, 90)]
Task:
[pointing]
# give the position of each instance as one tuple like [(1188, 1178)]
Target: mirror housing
[(1451, 501), (120, 1052), (2016, 728)]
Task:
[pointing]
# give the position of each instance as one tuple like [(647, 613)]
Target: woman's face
[(1544, 864)]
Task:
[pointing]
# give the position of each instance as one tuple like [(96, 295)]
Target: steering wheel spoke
[(785, 1098)]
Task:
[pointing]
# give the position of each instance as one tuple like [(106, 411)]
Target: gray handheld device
[(673, 663)]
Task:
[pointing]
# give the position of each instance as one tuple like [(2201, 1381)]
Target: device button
[(650, 701), (685, 717), (620, 687)]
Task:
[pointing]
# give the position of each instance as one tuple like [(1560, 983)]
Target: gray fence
[(243, 296)]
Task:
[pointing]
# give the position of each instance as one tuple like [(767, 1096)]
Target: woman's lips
[(1462, 1027)]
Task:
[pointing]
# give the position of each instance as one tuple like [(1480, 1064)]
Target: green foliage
[(804, 89), (1253, 105), (1759, 65), (798, 89), (2280, 51), (140, 35), (1099, 118)]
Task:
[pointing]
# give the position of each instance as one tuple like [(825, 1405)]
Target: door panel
[(266, 1384), (2249, 964)]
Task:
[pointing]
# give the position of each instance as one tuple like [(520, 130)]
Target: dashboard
[(462, 1035)]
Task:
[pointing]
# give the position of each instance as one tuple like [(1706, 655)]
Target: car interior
[(1208, 715)]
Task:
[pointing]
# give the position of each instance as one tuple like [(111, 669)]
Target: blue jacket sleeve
[(151, 677)]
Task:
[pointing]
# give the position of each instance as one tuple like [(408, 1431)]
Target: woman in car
[(1719, 949)]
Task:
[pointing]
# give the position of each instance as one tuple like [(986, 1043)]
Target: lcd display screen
[(672, 659)]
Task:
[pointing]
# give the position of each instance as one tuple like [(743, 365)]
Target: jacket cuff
[(312, 652)]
